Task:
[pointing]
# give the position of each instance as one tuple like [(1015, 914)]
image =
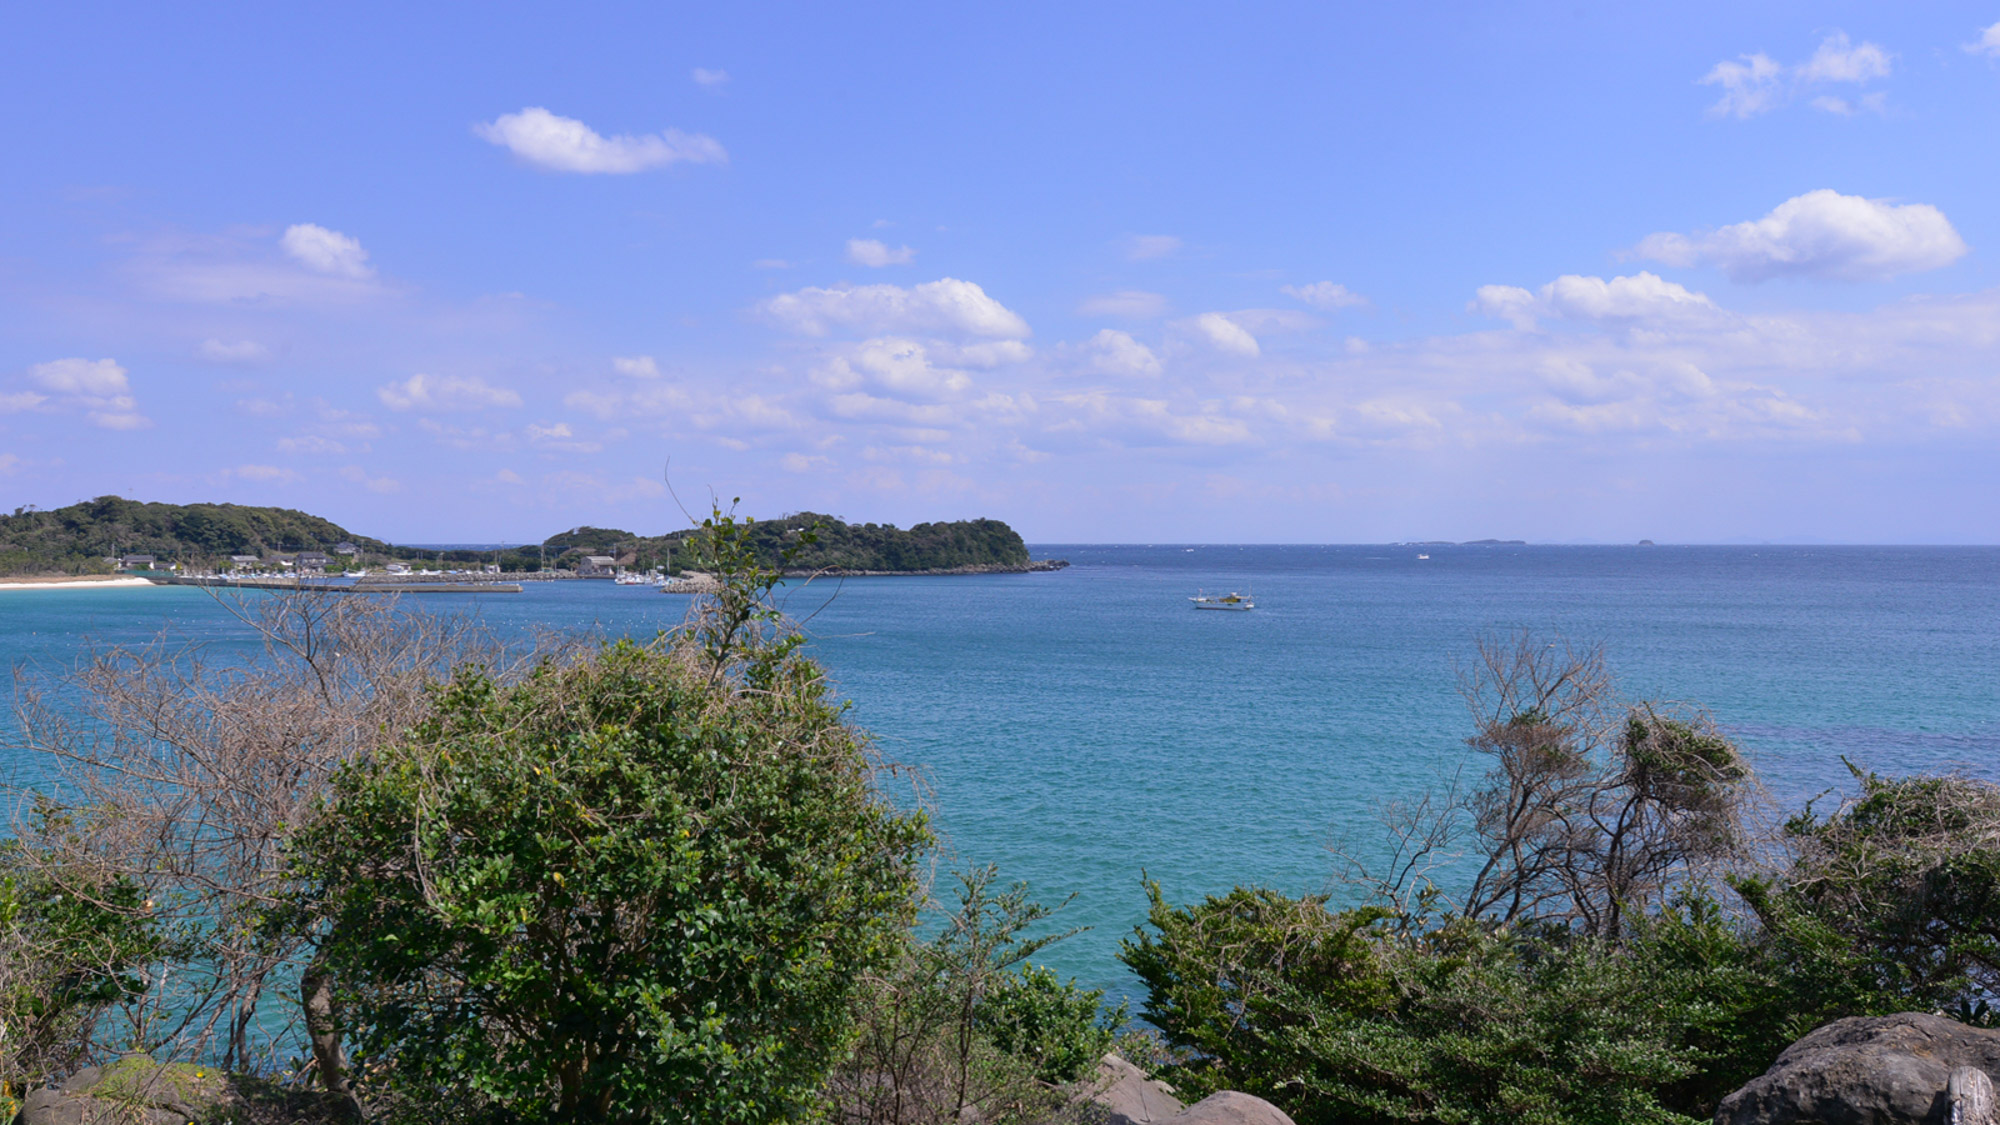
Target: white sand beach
[(83, 582)]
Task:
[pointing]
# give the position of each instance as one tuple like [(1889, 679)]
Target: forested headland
[(803, 542), (83, 537), (86, 538)]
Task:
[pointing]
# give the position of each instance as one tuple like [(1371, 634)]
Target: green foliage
[(1378, 1015), (1060, 1029), (1907, 874), (72, 947), (77, 539), (626, 889), (963, 1025), (1220, 976), (807, 542), (1365, 1016), (590, 540)]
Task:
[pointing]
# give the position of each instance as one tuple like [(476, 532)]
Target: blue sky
[(1145, 273)]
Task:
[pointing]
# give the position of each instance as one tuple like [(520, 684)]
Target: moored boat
[(1231, 600)]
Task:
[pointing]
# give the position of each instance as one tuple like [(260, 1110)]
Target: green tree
[(637, 886)]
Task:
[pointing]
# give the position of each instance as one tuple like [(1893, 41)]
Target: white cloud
[(268, 473), (1148, 247), (82, 377), (1987, 44), (1839, 60), (97, 387), (310, 445), (1257, 322), (900, 368), (1325, 295), (636, 366), (982, 353), (1821, 234), (1749, 87), (1758, 83), (870, 252), (1114, 353), (326, 251), (564, 144), (360, 476), (21, 400), (1131, 304), (445, 392), (1507, 302), (242, 351), (560, 438), (945, 306), (468, 437), (647, 400), (1224, 334), (1643, 297), (304, 264), (709, 78), (1877, 102)]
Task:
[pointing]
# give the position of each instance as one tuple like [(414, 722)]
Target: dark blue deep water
[(1084, 727)]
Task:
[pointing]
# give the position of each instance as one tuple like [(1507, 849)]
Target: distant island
[(111, 533), (1467, 543), (956, 547)]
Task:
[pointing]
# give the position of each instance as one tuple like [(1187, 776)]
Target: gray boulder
[(135, 1090), (1231, 1108), (1903, 1069), (1123, 1095)]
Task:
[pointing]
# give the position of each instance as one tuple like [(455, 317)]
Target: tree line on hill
[(78, 539), (804, 541), (83, 538)]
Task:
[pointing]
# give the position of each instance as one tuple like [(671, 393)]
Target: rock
[(135, 1090), (1970, 1098), (1127, 1096), (1231, 1108), (1888, 1070)]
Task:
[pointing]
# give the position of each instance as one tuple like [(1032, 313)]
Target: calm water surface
[(1082, 727)]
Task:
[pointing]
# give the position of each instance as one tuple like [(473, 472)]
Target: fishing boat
[(1231, 600)]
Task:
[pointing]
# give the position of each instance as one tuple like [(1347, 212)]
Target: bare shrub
[(1591, 807), (192, 771)]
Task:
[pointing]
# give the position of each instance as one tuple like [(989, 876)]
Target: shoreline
[(75, 582)]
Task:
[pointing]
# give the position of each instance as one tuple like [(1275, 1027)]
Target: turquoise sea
[(1083, 727)]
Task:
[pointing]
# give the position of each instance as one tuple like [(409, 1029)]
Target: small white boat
[(1231, 600), (1420, 558)]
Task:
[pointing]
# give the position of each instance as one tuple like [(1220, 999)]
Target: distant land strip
[(114, 535)]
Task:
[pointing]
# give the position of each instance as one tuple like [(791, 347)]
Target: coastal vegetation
[(1595, 931), (80, 538), (90, 537), (802, 542), (434, 877)]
